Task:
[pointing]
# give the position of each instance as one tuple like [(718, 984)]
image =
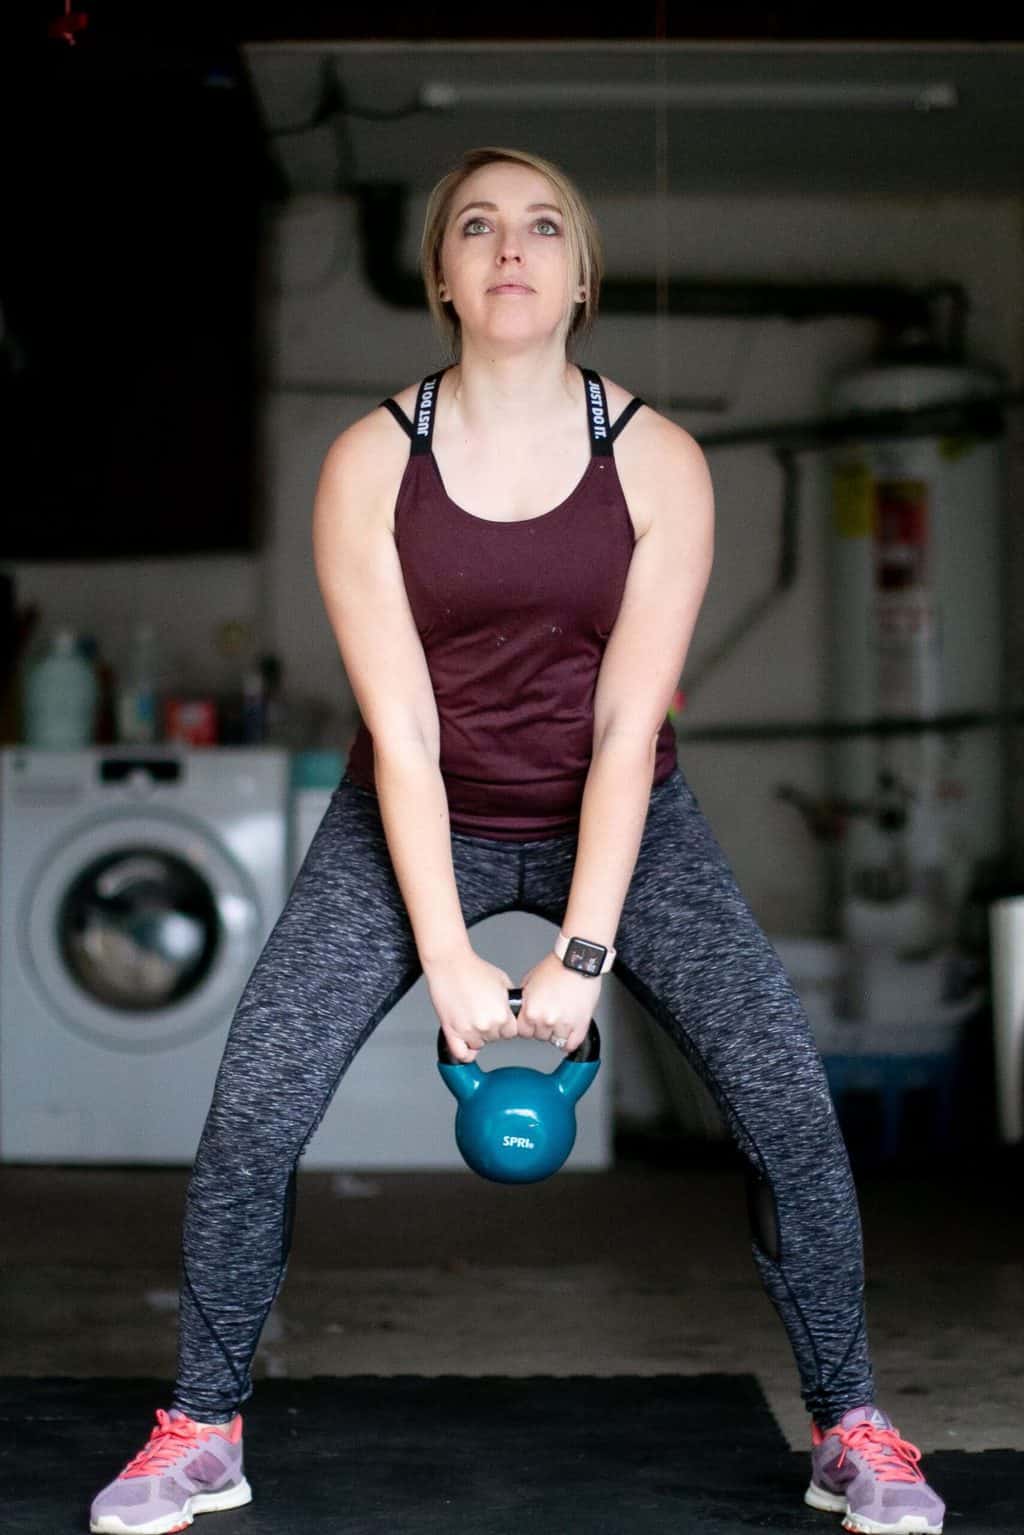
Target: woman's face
[(504, 260)]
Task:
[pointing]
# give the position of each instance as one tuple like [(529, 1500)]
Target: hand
[(558, 1003), (470, 997)]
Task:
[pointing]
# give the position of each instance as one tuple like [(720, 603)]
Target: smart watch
[(581, 955)]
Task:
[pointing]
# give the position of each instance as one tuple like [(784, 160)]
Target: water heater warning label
[(907, 633), (901, 534)]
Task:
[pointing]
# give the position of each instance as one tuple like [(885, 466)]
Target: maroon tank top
[(514, 618)]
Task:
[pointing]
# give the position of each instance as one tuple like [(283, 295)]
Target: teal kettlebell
[(514, 1124)]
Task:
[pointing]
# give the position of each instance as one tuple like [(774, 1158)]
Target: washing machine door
[(141, 931)]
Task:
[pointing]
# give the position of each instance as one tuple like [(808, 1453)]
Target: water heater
[(915, 626)]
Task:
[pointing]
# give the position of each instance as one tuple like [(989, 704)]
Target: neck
[(513, 388)]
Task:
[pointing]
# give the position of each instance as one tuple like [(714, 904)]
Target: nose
[(509, 250)]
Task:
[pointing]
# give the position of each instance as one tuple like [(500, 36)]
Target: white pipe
[(1006, 938)]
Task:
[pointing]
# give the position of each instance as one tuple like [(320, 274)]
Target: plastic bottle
[(275, 711), (60, 697), (104, 732), (137, 712), (254, 716)]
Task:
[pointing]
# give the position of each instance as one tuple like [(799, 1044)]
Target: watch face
[(585, 957)]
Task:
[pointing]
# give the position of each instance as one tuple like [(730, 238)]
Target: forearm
[(612, 817), (414, 812)]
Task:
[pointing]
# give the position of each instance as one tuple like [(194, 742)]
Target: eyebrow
[(530, 208)]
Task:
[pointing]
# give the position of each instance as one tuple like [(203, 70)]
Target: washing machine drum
[(138, 929), (138, 932)]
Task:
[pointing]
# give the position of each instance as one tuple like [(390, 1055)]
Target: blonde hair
[(582, 240)]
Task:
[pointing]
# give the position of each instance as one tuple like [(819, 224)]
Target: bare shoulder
[(649, 427), (365, 463), (659, 462)]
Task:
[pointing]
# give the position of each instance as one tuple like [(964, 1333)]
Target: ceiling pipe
[(938, 311), (982, 417)]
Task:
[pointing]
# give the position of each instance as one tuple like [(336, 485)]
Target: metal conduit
[(982, 417)]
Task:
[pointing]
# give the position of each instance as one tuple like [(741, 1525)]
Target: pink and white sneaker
[(863, 1469), (185, 1468)]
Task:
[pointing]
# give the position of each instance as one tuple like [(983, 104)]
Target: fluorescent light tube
[(440, 95)]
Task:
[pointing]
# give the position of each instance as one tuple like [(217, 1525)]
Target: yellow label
[(853, 501)]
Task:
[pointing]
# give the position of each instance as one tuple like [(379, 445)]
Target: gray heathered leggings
[(342, 955)]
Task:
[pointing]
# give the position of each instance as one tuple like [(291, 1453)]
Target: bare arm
[(364, 593), (663, 472), (666, 481)]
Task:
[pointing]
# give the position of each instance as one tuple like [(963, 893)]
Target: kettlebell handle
[(588, 1050)]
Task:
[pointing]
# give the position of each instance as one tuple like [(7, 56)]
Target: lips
[(510, 287)]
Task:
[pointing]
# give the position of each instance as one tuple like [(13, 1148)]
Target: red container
[(190, 721)]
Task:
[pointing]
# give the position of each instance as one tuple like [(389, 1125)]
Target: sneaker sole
[(199, 1503), (860, 1524)]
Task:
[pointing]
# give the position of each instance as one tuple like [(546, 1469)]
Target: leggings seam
[(214, 1334), (825, 1384), (661, 1013), (663, 1016), (375, 1018)]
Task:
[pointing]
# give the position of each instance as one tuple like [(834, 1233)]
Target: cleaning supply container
[(60, 698)]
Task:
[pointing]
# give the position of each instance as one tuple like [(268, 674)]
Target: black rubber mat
[(407, 1455)]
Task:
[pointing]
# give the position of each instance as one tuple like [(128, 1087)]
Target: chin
[(519, 334)]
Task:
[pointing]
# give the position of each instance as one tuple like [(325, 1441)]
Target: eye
[(551, 225), (468, 226)]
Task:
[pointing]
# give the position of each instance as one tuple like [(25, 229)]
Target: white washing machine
[(392, 1111), (137, 887)]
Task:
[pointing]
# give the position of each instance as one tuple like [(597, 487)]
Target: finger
[(562, 1039), (462, 1050)]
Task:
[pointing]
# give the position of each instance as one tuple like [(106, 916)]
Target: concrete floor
[(642, 1270)]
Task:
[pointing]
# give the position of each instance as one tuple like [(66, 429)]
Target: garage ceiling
[(862, 119)]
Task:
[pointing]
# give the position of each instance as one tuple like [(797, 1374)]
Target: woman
[(513, 555)]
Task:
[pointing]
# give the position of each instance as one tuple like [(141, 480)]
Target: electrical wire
[(662, 390)]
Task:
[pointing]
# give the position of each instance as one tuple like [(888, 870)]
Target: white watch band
[(562, 943)]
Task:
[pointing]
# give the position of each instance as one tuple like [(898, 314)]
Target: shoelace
[(891, 1458), (163, 1446)]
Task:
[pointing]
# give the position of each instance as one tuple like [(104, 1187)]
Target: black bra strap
[(399, 415), (626, 416), (426, 409), (602, 436), (602, 433)]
